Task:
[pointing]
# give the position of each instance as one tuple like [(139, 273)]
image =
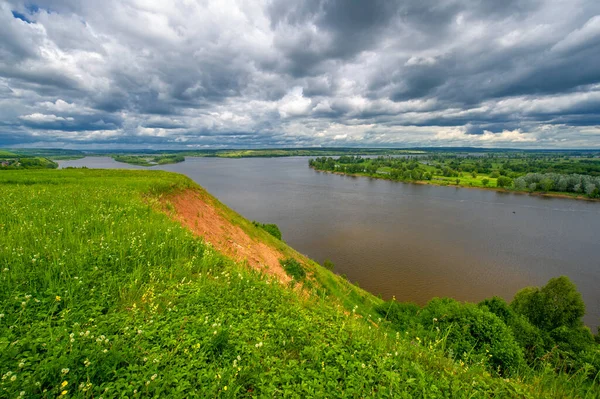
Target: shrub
[(270, 228), (556, 304), (530, 338), (293, 268), (328, 264), (474, 332)]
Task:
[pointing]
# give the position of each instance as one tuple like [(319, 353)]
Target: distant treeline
[(520, 172)]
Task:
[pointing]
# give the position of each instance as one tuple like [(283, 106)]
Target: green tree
[(546, 184), (485, 182), (504, 181), (556, 304)]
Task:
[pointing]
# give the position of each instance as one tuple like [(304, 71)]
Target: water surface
[(414, 242)]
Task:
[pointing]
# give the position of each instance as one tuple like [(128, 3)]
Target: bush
[(293, 268), (530, 338), (328, 264), (270, 228), (402, 315), (475, 333), (556, 304)]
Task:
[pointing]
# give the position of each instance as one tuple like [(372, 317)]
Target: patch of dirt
[(193, 212)]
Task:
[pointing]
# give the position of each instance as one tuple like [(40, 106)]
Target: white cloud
[(43, 118), (294, 104)]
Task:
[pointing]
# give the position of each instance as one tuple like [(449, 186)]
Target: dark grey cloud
[(316, 72)]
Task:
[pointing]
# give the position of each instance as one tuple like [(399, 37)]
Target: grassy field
[(102, 294)]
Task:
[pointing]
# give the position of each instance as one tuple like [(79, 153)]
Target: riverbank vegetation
[(557, 173), (270, 228), (103, 293), (149, 160)]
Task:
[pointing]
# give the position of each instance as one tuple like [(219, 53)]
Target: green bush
[(270, 228), (556, 304), (328, 264), (293, 268), (531, 339), (474, 333)]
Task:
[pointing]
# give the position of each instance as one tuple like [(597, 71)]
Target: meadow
[(103, 294)]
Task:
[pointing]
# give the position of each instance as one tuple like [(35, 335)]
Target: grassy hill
[(107, 289), (6, 154)]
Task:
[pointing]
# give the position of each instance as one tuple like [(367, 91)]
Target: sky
[(193, 74)]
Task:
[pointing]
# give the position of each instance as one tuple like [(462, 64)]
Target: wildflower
[(22, 393), (225, 388), (64, 383), (1, 315), (65, 371), (153, 377), (87, 363), (13, 378), (58, 298), (363, 366), (63, 393)]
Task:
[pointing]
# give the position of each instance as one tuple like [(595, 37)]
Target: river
[(411, 241)]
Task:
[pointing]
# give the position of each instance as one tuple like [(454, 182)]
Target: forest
[(563, 173)]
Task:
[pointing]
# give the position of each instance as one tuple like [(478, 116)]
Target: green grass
[(103, 295)]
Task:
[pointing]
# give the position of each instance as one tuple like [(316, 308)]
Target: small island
[(143, 160)]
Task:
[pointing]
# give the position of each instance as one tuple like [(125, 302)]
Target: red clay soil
[(193, 212)]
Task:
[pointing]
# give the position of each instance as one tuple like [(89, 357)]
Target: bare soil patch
[(208, 222)]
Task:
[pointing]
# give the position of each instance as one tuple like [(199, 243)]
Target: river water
[(411, 241)]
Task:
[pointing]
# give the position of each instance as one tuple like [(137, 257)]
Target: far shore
[(498, 189)]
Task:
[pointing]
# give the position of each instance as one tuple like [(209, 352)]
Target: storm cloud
[(203, 74)]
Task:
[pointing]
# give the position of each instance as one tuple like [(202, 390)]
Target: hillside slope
[(105, 291)]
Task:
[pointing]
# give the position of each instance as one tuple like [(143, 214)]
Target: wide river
[(414, 242)]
